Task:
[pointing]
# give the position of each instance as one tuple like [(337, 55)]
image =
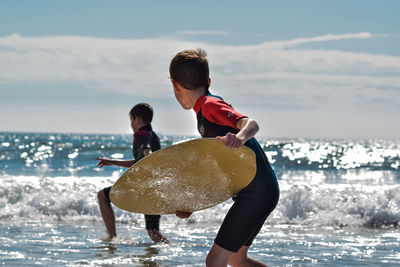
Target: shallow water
[(79, 244)]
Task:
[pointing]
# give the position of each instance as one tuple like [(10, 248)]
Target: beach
[(339, 205)]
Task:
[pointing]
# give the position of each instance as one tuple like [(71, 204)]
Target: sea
[(339, 205)]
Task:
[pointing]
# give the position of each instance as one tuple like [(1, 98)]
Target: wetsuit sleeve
[(221, 113)]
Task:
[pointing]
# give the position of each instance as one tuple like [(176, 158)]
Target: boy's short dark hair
[(190, 69), (143, 111)]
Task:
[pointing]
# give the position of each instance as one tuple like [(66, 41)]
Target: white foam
[(308, 202)]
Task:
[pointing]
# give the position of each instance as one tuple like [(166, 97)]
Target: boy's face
[(134, 123), (179, 94)]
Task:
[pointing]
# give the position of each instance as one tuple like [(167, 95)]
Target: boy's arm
[(108, 162), (248, 129), (122, 163)]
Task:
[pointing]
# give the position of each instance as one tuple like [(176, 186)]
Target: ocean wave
[(323, 182), (301, 203), (340, 205)]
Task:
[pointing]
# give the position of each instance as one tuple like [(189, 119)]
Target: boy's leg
[(107, 213), (218, 257), (244, 220), (153, 229), (157, 236), (242, 259)]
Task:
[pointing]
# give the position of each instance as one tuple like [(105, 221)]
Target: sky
[(301, 69)]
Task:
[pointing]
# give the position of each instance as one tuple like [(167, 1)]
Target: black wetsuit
[(144, 139), (254, 203)]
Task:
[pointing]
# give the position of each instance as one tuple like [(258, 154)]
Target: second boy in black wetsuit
[(145, 141), (189, 73)]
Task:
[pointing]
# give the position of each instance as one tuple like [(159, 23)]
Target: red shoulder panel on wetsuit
[(219, 112)]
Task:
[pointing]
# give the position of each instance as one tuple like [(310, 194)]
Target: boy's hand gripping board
[(188, 176)]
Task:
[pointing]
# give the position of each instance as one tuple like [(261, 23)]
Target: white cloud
[(292, 92), (223, 33), (329, 37), (140, 67)]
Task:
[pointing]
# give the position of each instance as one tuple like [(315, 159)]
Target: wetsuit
[(253, 204), (143, 139)]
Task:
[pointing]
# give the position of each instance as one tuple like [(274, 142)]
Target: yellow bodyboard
[(188, 176)]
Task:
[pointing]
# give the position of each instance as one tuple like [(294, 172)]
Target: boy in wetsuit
[(145, 141), (189, 73)]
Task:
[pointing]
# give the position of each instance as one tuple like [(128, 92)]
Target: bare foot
[(157, 237), (107, 238)]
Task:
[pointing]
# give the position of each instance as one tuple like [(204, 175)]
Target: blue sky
[(300, 68)]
